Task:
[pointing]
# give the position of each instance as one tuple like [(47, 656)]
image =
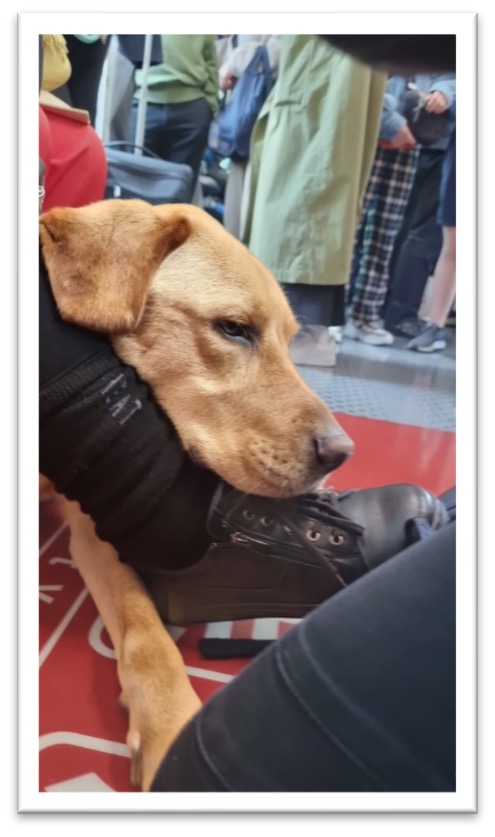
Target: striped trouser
[(384, 205)]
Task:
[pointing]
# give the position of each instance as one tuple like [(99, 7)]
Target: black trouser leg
[(359, 696), (87, 64)]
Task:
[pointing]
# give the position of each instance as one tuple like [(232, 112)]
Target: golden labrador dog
[(208, 328)]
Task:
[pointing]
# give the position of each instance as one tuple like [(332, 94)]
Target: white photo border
[(464, 26)]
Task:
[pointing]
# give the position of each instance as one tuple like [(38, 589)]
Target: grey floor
[(389, 383)]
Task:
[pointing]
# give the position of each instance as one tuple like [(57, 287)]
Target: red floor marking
[(78, 680), (283, 627), (60, 584), (242, 630), (388, 453)]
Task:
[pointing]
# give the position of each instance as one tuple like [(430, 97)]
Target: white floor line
[(53, 538), (218, 630), (207, 674), (88, 742), (49, 646)]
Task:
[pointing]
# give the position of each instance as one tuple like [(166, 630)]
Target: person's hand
[(226, 81), (436, 102), (403, 138), (103, 39)]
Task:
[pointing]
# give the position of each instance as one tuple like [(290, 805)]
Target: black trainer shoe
[(283, 557)]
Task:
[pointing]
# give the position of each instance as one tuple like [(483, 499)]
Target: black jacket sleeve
[(400, 54), (105, 443)]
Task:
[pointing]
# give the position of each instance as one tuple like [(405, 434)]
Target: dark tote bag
[(146, 177)]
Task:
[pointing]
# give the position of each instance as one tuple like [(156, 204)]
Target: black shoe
[(283, 557)]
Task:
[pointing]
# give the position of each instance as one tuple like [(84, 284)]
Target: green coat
[(311, 155)]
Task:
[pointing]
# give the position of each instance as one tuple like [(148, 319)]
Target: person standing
[(87, 55), (387, 198), (432, 337), (71, 150), (385, 201), (419, 241), (182, 98), (311, 154), (237, 55)]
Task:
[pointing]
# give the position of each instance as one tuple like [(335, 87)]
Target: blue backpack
[(230, 133)]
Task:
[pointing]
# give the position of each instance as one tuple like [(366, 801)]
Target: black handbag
[(146, 177), (426, 128)]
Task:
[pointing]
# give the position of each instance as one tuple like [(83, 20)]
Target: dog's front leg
[(155, 687)]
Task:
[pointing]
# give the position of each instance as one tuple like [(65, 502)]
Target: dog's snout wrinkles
[(333, 449)]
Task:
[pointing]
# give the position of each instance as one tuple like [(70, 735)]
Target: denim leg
[(422, 205), (359, 696), (154, 127), (415, 263), (177, 132)]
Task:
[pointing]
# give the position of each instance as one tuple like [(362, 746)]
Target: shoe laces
[(321, 507)]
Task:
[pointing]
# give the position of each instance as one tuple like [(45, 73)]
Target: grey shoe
[(430, 339)]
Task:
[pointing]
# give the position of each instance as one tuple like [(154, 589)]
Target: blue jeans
[(359, 696), (447, 210), (415, 263), (178, 132), (418, 244)]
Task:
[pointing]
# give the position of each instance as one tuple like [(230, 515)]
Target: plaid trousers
[(385, 201)]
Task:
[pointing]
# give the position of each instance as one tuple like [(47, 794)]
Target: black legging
[(86, 60), (360, 696)]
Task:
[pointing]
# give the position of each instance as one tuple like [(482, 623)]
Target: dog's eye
[(236, 332)]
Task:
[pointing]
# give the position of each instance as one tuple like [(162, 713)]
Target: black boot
[(283, 557)]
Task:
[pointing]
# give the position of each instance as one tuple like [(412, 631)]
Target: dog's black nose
[(333, 449)]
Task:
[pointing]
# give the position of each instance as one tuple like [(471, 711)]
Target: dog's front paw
[(148, 733), (136, 757), (159, 698), (134, 746)]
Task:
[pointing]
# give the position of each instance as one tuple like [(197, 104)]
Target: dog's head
[(206, 325)]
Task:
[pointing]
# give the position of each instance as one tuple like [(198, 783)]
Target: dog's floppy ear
[(101, 258)]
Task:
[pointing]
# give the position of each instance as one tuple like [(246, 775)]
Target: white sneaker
[(369, 333), (336, 332)]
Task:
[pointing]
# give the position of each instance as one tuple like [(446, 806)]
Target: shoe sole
[(435, 347), (177, 606)]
